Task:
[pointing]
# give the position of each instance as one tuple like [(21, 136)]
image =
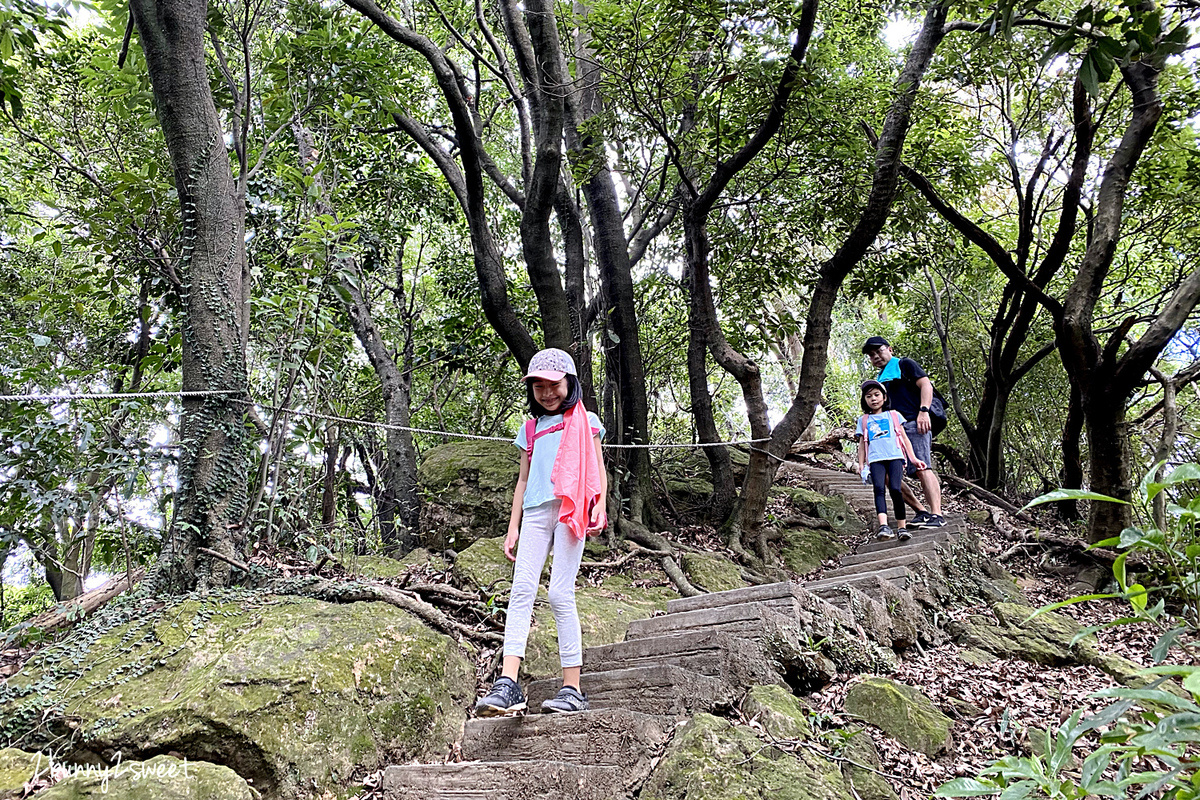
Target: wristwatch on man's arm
[(925, 409)]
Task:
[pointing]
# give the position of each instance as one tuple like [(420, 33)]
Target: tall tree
[(214, 460)]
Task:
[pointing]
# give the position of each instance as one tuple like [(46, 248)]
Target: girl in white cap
[(558, 502), (883, 447)]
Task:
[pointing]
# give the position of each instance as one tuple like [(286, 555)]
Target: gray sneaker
[(904, 534), (884, 534), (505, 699), (567, 700)]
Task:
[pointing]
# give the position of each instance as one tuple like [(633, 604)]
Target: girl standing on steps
[(558, 502), (882, 448)]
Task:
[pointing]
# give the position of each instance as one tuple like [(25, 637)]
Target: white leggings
[(540, 529)]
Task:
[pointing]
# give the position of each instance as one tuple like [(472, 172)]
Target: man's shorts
[(921, 444)]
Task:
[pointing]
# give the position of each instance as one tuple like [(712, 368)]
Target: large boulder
[(902, 712), (834, 510), (466, 492), (711, 759), (712, 572), (160, 778), (805, 549), (18, 768), (293, 694)]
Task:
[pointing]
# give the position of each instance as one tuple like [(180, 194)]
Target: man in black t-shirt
[(911, 392)]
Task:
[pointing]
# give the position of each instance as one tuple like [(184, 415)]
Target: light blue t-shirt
[(883, 443), (540, 489)]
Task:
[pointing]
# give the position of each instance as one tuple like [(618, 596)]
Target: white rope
[(347, 420), (112, 395)]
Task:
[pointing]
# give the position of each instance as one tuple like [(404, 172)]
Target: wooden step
[(749, 594), (611, 737), (659, 690), (898, 576), (925, 546), (508, 780), (907, 559), (741, 619), (932, 535), (715, 653)]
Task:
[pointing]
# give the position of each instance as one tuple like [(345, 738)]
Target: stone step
[(710, 652), (898, 576), (921, 537), (662, 689), (508, 780), (749, 594), (925, 546), (908, 559), (612, 737)]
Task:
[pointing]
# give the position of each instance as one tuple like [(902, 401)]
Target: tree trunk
[(1071, 476), (398, 496), (720, 465), (213, 458), (764, 461), (1109, 459)]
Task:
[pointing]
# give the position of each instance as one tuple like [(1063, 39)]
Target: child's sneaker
[(904, 534), (884, 534), (504, 699), (568, 699)]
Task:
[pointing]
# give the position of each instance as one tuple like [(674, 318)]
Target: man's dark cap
[(874, 342)]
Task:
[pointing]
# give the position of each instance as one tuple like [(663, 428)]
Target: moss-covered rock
[(484, 564), (709, 759), (902, 712), (605, 612), (781, 714), (861, 768), (293, 693), (803, 550), (379, 567), (18, 768), (834, 510), (1045, 639), (160, 778), (712, 572), (466, 489)]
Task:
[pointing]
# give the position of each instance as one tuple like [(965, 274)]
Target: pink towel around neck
[(576, 473)]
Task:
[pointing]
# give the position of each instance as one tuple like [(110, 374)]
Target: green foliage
[(22, 603), (1145, 740)]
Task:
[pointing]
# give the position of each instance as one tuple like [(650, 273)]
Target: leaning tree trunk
[(764, 461), (214, 458)]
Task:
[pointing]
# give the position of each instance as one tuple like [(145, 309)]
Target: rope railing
[(54, 398)]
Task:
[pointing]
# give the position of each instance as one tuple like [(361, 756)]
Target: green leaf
[(1192, 683), (1118, 569), (966, 787), (1137, 596), (1070, 494)]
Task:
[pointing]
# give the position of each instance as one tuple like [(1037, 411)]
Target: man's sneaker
[(935, 521), (504, 699), (904, 534), (920, 520), (568, 699), (884, 534)]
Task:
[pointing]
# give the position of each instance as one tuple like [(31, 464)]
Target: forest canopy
[(342, 230)]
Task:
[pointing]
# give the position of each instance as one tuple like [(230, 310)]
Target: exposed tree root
[(350, 592)]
